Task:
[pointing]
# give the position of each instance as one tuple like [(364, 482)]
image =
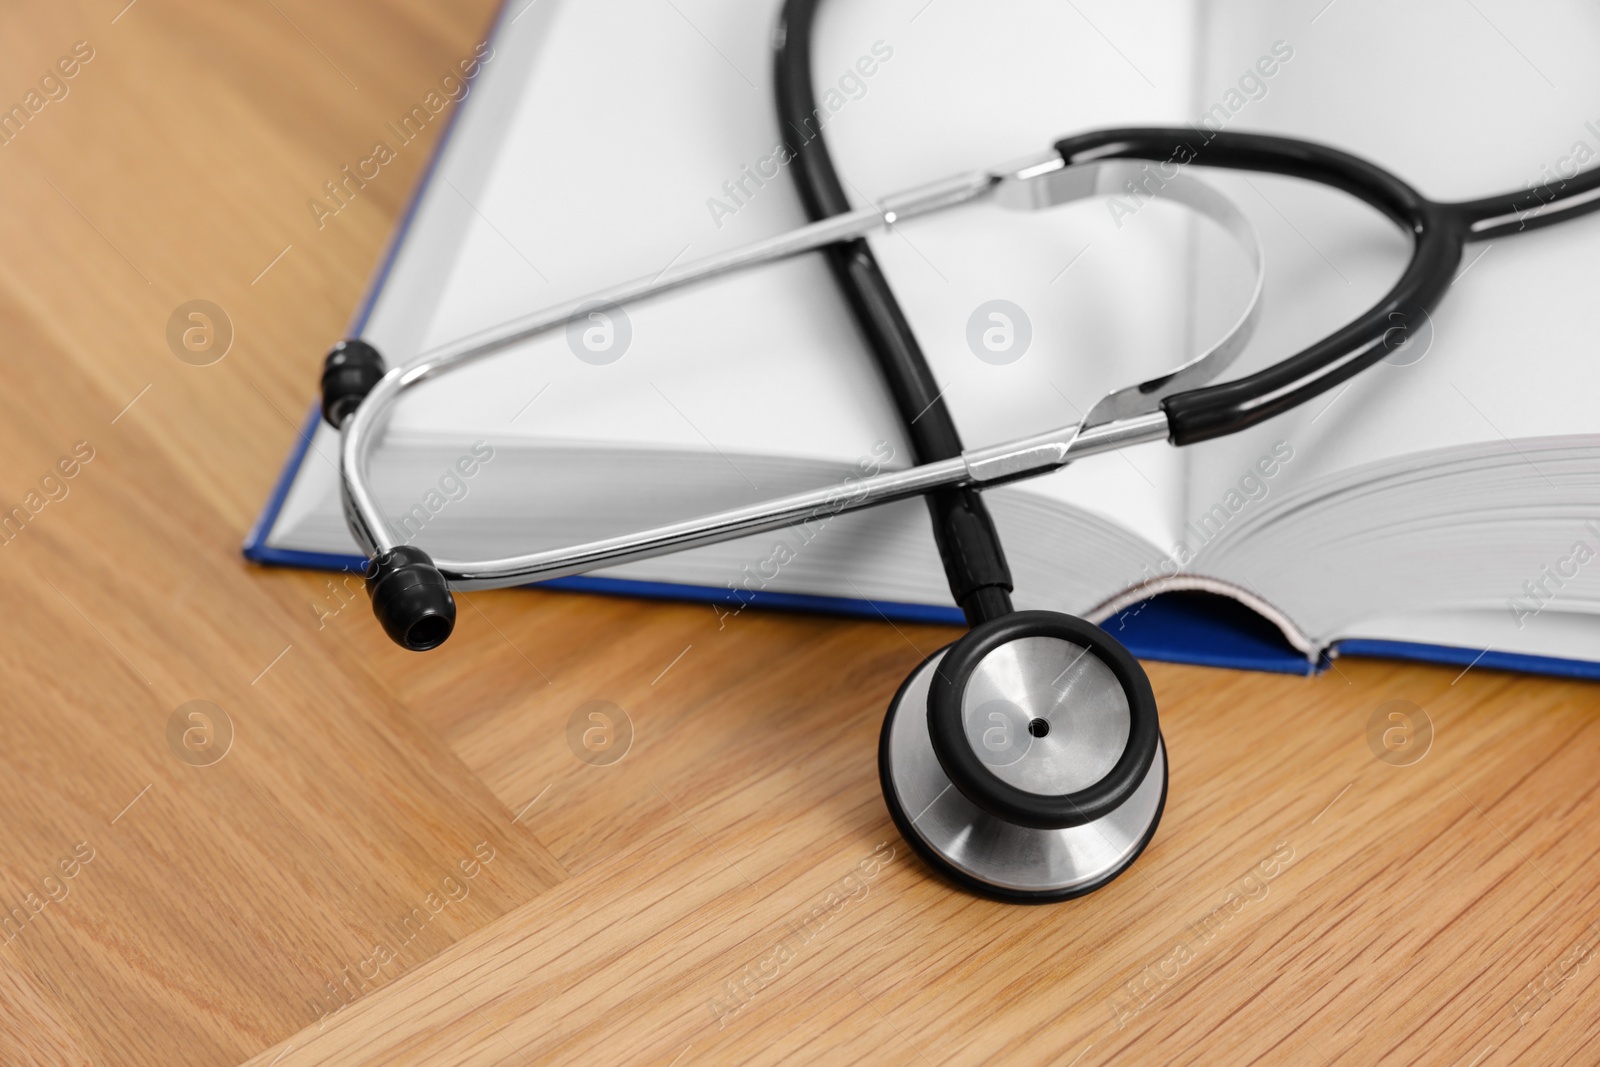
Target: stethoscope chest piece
[(1024, 762)]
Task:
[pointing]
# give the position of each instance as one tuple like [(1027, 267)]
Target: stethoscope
[(1028, 765)]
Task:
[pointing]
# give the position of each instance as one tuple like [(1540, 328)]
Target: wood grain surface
[(358, 855)]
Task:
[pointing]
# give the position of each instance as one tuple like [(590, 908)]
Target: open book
[(1444, 504)]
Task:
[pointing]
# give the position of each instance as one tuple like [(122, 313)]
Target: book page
[(638, 143), (1462, 101), (1439, 481), (627, 123)]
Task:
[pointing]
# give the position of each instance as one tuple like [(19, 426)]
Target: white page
[(1462, 101), (602, 176), (633, 116), (1492, 99)]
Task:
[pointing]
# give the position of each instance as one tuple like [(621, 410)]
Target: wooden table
[(398, 859)]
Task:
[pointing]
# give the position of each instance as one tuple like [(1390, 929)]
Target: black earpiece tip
[(411, 598), (348, 375)]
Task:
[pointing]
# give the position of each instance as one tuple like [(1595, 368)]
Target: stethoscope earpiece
[(349, 372), (411, 598), (1024, 762)]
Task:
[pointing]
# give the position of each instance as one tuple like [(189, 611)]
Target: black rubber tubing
[(974, 562)]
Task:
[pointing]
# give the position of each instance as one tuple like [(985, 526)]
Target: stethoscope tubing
[(969, 545), (1439, 232)]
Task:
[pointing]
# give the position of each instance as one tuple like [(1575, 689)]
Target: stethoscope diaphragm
[(1024, 762)]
